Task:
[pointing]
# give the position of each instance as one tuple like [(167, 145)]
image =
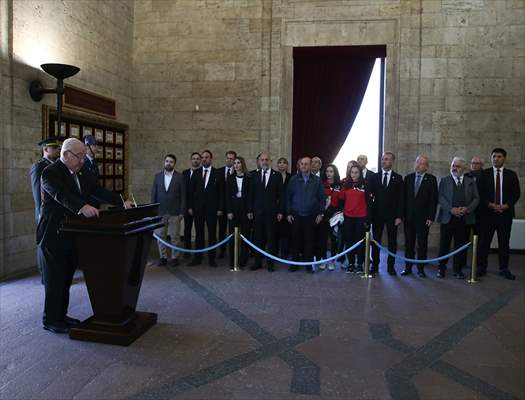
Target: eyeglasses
[(78, 156)]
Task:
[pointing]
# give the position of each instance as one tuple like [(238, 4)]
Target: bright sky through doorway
[(364, 135)]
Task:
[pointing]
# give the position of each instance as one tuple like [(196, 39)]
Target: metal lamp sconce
[(60, 72)]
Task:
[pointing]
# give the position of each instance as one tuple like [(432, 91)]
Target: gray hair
[(460, 159), (68, 145)]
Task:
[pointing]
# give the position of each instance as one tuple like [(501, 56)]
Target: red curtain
[(328, 87)]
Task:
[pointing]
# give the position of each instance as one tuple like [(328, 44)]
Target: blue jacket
[(305, 199)]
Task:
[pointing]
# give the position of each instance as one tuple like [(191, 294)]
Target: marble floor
[(281, 335)]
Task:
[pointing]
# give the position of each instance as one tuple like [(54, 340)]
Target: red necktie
[(498, 188)]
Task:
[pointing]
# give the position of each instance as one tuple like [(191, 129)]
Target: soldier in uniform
[(50, 152), (90, 162)]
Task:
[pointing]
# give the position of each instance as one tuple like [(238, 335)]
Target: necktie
[(498, 188), (459, 182), (204, 176), (75, 177), (418, 184), (264, 178), (385, 179)]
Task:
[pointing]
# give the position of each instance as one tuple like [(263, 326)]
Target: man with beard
[(170, 192)]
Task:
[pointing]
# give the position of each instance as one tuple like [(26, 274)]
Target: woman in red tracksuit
[(355, 196)]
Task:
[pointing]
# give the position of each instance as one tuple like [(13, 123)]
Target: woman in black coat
[(237, 194)]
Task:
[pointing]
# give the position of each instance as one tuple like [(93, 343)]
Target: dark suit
[(61, 197), (205, 203), (36, 172), (238, 206), (188, 219), (90, 169), (223, 220), (283, 227), (388, 205), (92, 166), (265, 203), (491, 221), (369, 177), (419, 208)]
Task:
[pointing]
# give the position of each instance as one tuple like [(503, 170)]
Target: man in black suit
[(206, 203), (421, 197), (188, 219), (65, 191), (226, 171), (387, 190), (499, 190), (368, 175), (266, 208)]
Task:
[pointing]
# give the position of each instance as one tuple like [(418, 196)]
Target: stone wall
[(94, 35), (455, 80)]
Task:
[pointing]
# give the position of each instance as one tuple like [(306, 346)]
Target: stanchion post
[(236, 248), (367, 274), (474, 271)]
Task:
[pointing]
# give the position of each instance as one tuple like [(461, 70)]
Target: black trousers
[(223, 225), (58, 267), (377, 230), (208, 217), (323, 232), (188, 224), (284, 237), (502, 224), (458, 230), (240, 220), (265, 234), (303, 236), (353, 231), (416, 231)]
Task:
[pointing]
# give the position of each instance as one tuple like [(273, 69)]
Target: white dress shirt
[(495, 171), (239, 180), (389, 174), (167, 179), (208, 171)]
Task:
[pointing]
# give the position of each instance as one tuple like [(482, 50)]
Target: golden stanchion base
[(235, 269), (473, 280)]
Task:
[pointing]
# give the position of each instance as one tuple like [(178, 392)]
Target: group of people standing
[(298, 214)]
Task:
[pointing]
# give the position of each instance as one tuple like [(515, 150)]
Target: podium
[(112, 253)]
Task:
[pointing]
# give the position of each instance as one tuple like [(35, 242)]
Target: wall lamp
[(60, 72)]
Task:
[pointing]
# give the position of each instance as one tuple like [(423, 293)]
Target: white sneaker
[(322, 266), (331, 267)]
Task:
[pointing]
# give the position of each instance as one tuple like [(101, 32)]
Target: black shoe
[(212, 263), (373, 270), (71, 321), (292, 268), (270, 268), (459, 275), (57, 327), (507, 274), (174, 262), (162, 262), (255, 267), (310, 270), (194, 263), (421, 273), (406, 272), (441, 274), (392, 271), (350, 269)]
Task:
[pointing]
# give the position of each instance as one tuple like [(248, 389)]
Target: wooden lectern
[(112, 252)]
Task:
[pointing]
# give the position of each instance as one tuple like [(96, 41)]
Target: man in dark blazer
[(368, 175), (387, 190), (188, 219), (206, 203), (499, 190), (421, 196), (458, 199), (169, 191), (266, 208), (226, 171), (65, 191), (50, 153)]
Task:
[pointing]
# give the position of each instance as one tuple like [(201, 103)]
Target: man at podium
[(65, 192)]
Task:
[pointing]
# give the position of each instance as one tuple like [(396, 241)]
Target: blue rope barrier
[(301, 263), (173, 247), (428, 261)]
